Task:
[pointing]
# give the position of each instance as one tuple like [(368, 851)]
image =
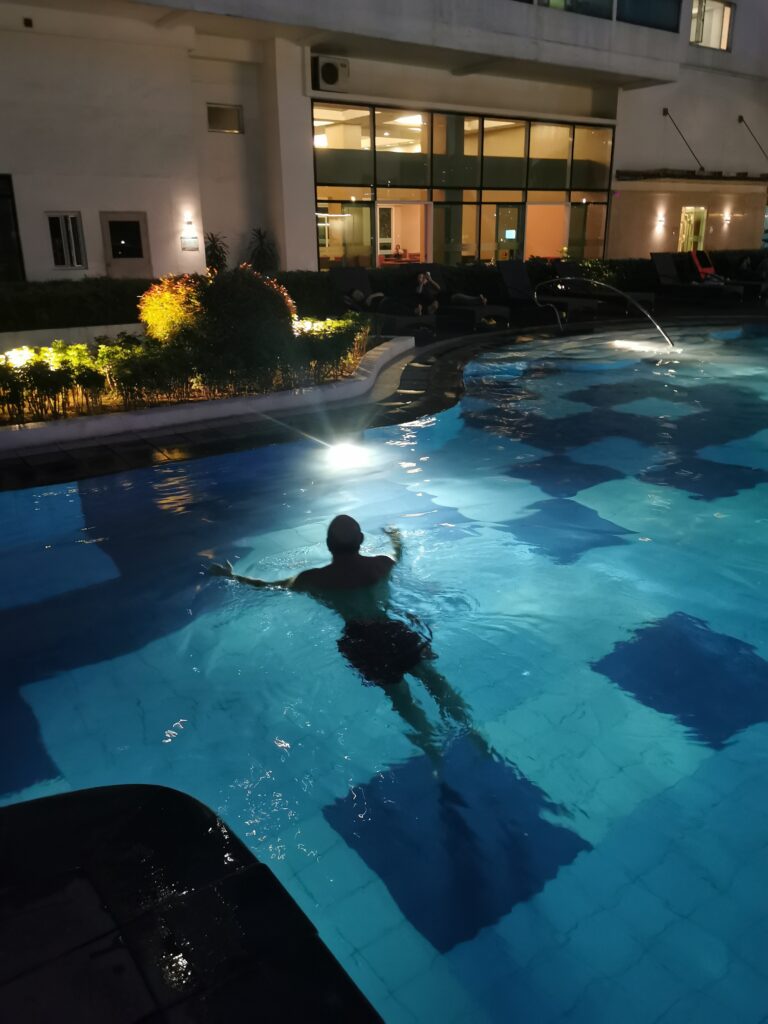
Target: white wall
[(98, 124), (231, 166), (288, 135), (484, 93), (706, 108)]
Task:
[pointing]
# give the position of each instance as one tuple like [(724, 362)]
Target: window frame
[(67, 219), (698, 20), (226, 106)]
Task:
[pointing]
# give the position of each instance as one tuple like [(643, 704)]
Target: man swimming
[(382, 649)]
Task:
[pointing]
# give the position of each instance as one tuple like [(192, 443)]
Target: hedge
[(90, 301)]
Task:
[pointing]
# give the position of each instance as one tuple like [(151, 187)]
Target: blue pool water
[(586, 539)]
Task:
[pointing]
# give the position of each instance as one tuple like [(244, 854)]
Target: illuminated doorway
[(693, 224), (403, 233)]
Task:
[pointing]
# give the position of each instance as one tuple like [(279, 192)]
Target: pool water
[(586, 538)]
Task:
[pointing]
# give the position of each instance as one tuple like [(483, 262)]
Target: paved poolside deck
[(136, 903)]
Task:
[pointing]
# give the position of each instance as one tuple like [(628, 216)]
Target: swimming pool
[(585, 537)]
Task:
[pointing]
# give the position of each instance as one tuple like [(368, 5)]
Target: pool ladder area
[(559, 283)]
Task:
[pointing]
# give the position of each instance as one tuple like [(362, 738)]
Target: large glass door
[(693, 223), (501, 231), (11, 265)]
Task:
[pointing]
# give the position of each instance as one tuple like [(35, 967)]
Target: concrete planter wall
[(82, 429), (72, 335)]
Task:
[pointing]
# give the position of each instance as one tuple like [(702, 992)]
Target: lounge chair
[(567, 268), (387, 315), (673, 285), (520, 292), (705, 268), (474, 311)]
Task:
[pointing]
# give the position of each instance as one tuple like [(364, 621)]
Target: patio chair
[(387, 315), (673, 285)]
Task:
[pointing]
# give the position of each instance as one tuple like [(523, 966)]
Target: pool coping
[(409, 382)]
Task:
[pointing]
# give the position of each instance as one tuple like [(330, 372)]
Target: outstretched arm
[(225, 569), (397, 540)]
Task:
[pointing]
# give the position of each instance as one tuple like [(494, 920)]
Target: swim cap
[(344, 534)]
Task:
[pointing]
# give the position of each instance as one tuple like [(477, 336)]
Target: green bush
[(327, 349), (245, 324)]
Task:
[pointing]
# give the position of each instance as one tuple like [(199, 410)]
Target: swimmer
[(382, 649)]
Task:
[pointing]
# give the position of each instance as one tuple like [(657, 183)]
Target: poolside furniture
[(674, 285), (568, 268), (475, 313), (517, 283), (733, 273), (388, 315)]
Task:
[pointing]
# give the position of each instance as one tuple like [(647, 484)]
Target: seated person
[(425, 294), (357, 299)]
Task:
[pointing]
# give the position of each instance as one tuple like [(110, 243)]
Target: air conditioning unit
[(330, 74)]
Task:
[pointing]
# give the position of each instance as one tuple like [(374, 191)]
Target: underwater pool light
[(642, 346), (346, 455)]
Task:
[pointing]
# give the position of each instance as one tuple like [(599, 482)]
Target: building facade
[(365, 133)]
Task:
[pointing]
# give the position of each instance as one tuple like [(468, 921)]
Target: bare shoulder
[(309, 579), (383, 564)]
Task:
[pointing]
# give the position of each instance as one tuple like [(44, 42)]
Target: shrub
[(171, 305), (329, 348), (216, 252), (262, 252), (246, 320)]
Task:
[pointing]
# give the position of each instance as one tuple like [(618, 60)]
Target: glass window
[(501, 233), (711, 23), (547, 230), (454, 195), (663, 14), (402, 148), (344, 234), (504, 152), (595, 8), (125, 240), (550, 155), (589, 197), (454, 233), (355, 194), (403, 195), (551, 196), (225, 118), (66, 232), (591, 157), (342, 136), (455, 150), (502, 195), (586, 236)]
